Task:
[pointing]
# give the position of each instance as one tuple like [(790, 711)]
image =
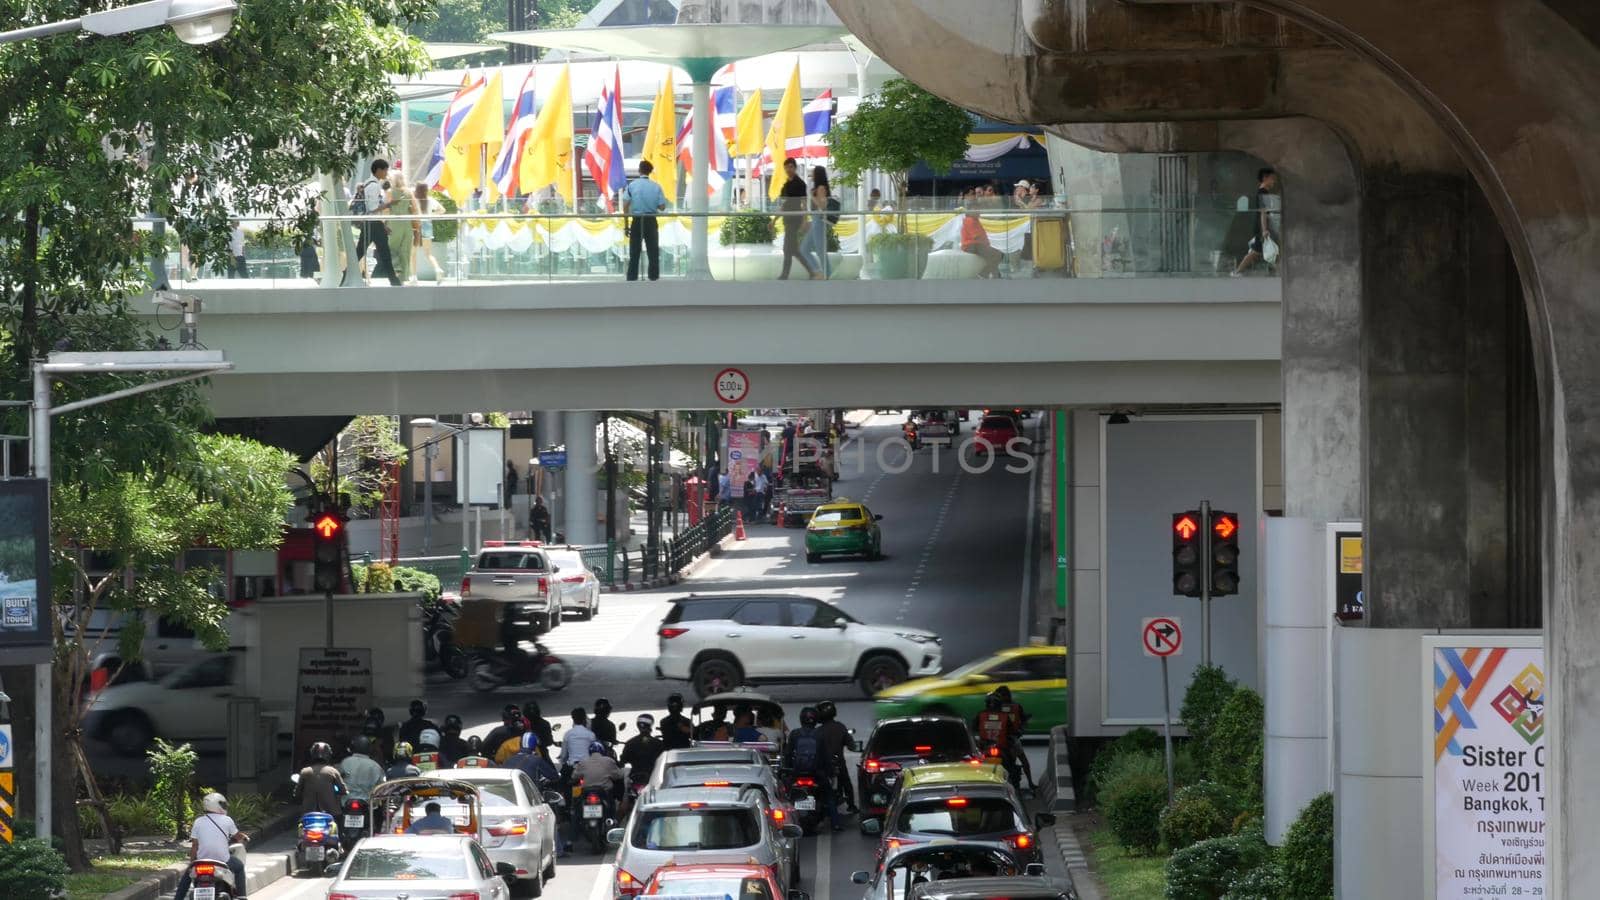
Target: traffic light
[(1224, 553), (1188, 566), (327, 539)]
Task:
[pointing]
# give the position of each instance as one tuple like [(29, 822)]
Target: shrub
[(247, 810), (1208, 691), (358, 578), (1234, 748), (746, 229), (1207, 870), (1198, 812), (1308, 851), (1264, 882), (32, 870), (1132, 797), (380, 578), (444, 230), (408, 580), (889, 240), (1141, 740), (172, 769), (132, 814)]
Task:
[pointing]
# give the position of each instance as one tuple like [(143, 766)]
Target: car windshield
[(938, 741), (399, 864), (726, 887), (826, 516), (945, 863), (696, 829), (510, 559), (568, 561), (496, 793), (994, 422), (960, 816)]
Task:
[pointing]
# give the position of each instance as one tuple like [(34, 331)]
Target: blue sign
[(553, 459), (5, 746)]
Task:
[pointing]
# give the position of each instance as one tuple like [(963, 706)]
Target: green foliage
[(247, 810), (32, 870), (409, 580), (747, 229), (1132, 796), (1207, 870), (1208, 690), (1234, 748), (1138, 740), (472, 21), (358, 578), (444, 230), (172, 771), (1264, 882), (1199, 811), (895, 129), (1308, 851), (892, 240), (380, 579), (366, 447)]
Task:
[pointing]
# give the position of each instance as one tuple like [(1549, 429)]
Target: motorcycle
[(438, 640), (804, 793), (211, 879), (492, 669), (355, 818), (593, 807), (318, 845)]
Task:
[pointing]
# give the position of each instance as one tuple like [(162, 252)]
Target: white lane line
[(1029, 555), (602, 883), (824, 867)]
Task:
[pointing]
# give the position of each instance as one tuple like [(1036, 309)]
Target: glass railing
[(488, 248)]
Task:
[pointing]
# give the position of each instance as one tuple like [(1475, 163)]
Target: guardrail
[(619, 565)]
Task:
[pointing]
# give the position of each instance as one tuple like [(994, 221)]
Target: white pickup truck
[(518, 573)]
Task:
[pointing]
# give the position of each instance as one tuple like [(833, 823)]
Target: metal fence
[(621, 564)]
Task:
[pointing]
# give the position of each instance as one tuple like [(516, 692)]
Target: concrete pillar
[(547, 430), (581, 483)]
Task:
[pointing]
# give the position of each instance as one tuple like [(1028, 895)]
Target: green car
[(843, 527), (1036, 674)]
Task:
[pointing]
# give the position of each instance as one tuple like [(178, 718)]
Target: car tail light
[(627, 885), (507, 827), (994, 750), (694, 804), (805, 782), (670, 632), (874, 766), (923, 749), (572, 579), (976, 759), (466, 585), (957, 802), (465, 895), (779, 815), (205, 870), (592, 798), (544, 585), (716, 784), (1021, 841), (340, 895)]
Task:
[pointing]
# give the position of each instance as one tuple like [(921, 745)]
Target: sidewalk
[(269, 857)]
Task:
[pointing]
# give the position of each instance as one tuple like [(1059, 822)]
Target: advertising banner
[(744, 457), (24, 569), (1486, 779)]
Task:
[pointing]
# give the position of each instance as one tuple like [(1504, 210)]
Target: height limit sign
[(1162, 636)]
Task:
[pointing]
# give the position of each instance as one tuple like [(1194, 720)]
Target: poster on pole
[(744, 456), (1485, 781), (485, 454), (332, 696), (25, 633)]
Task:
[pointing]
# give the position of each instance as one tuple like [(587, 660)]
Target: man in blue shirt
[(432, 823), (641, 200)]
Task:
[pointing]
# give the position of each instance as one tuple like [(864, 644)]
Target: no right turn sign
[(1162, 636)]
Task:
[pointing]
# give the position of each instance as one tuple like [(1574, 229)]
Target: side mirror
[(505, 870), (855, 747), (871, 826), (614, 837), (1034, 870), (793, 831), (860, 877), (1043, 821), (552, 798), (554, 569)]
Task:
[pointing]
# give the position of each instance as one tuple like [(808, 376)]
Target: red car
[(743, 881), (994, 432)]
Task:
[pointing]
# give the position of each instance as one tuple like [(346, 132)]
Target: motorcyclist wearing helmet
[(598, 769), (213, 830), (1019, 723), (509, 747), (540, 726), (605, 730), (575, 743), (361, 773), (381, 733), (804, 756), (677, 732), (835, 738), (411, 729), (531, 762), (320, 785), (639, 754), (473, 758), (402, 766), (426, 753), (510, 727), (993, 728), (451, 746)]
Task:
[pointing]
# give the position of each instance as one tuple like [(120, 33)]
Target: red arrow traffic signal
[(1185, 527), (1225, 526), (327, 525)]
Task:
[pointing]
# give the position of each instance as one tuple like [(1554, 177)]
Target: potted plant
[(747, 252), (892, 131)]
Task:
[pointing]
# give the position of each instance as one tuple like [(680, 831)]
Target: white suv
[(720, 642)]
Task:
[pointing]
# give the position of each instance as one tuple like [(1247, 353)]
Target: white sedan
[(403, 865), (579, 586), (190, 704)]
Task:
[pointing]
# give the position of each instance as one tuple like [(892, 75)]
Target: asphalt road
[(954, 562)]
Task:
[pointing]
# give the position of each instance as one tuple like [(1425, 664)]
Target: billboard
[(24, 566), (485, 452)]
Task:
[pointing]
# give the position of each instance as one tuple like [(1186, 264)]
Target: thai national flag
[(510, 161), (603, 157), (719, 164), (818, 116), (460, 105)]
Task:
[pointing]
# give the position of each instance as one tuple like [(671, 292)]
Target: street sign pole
[(1163, 637), (1205, 582), (1166, 723)]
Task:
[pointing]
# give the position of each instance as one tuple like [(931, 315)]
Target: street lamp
[(193, 21)]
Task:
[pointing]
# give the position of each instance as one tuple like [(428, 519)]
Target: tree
[(895, 129), (366, 448)]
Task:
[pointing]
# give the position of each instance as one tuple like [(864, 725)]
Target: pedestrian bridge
[(304, 350)]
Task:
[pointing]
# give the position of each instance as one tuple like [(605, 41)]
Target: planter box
[(745, 262), (844, 266)]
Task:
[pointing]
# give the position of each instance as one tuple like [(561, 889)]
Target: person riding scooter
[(639, 756), (605, 730), (213, 830), (426, 754), (575, 743), (677, 731), (992, 726), (320, 785), (474, 758), (411, 729), (540, 726), (402, 766), (532, 763), (361, 773), (451, 745), (1019, 723), (835, 738)]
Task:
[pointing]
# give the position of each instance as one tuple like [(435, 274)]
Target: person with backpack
[(371, 198), (1019, 722), (835, 738), (993, 727), (804, 756)]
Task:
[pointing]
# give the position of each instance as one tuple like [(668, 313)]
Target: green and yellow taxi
[(1036, 674), (843, 527), (954, 773)]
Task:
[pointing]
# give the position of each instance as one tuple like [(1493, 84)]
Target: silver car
[(700, 756), (519, 827), (404, 865), (758, 776), (688, 825)]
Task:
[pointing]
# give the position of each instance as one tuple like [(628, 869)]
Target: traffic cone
[(738, 525)]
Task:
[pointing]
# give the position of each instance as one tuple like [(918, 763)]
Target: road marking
[(823, 870)]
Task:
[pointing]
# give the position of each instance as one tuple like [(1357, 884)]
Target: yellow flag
[(481, 132), (661, 142), (548, 160), (747, 132), (789, 123)]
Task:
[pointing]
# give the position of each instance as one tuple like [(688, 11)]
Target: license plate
[(356, 820), (203, 893), (591, 811), (806, 803), (314, 852), (891, 780)]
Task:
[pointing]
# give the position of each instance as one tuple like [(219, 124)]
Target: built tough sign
[(25, 634)]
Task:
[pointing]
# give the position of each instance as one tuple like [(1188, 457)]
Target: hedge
[(32, 870), (1132, 796), (1139, 740), (1208, 870), (1208, 692), (1308, 851), (1264, 882), (1235, 746), (1198, 812)]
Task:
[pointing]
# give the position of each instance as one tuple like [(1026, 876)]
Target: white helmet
[(214, 803), (429, 738)]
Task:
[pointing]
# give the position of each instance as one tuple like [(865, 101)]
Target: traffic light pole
[(1205, 583)]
